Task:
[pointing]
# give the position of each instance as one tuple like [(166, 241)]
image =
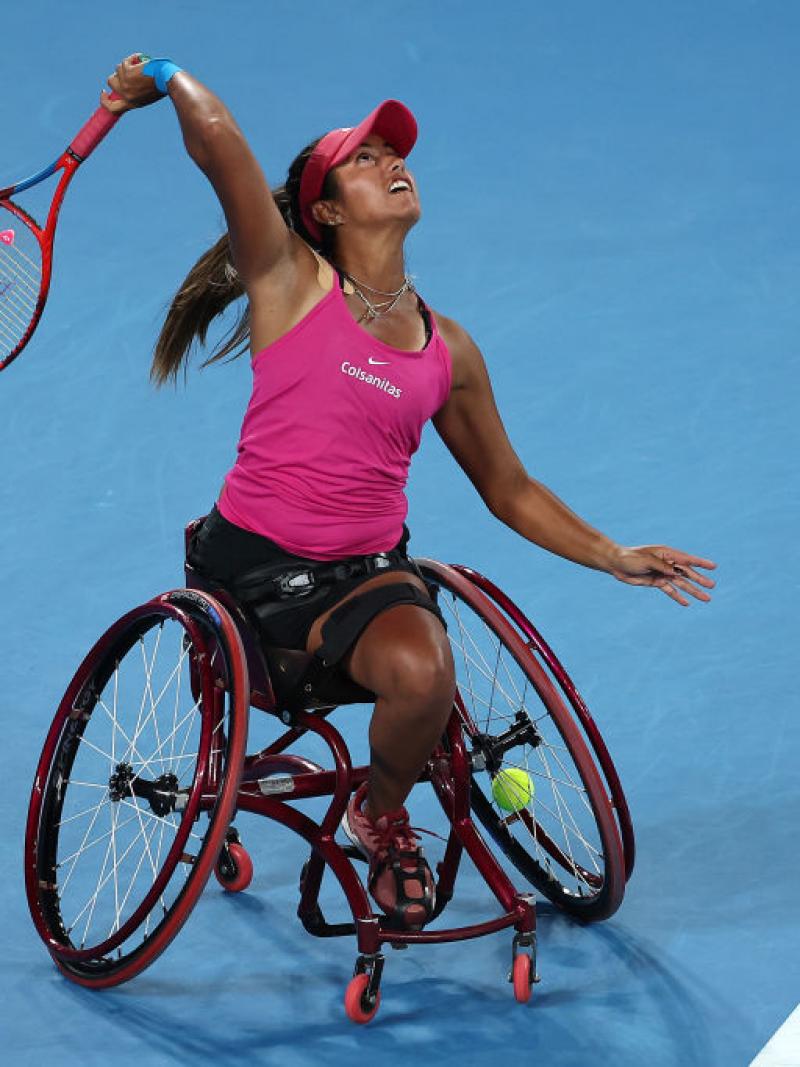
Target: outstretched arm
[(470, 425), (260, 240)]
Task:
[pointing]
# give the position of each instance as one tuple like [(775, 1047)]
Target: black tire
[(565, 840), (136, 787)]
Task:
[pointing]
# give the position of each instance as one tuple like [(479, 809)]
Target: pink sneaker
[(400, 879)]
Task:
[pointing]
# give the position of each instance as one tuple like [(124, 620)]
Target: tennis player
[(348, 364)]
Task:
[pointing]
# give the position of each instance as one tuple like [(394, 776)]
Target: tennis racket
[(26, 249)]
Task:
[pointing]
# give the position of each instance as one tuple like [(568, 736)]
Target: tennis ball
[(512, 789)]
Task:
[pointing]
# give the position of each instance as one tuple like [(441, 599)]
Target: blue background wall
[(610, 208)]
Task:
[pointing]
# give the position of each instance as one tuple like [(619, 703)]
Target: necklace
[(407, 284), (374, 310)]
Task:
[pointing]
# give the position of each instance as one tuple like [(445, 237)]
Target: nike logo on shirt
[(378, 362)]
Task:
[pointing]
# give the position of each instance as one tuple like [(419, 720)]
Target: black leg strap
[(346, 624), (419, 872)]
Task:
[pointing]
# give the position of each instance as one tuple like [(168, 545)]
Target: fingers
[(691, 589), (687, 572), (133, 62), (123, 82), (675, 587), (123, 71), (114, 106), (682, 570), (683, 559), (697, 561), (669, 570), (688, 581), (671, 591)]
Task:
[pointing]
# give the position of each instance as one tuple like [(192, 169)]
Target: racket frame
[(80, 148)]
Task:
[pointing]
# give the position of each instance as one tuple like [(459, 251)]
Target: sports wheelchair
[(145, 767)]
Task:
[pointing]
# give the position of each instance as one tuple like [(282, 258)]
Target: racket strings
[(20, 282)]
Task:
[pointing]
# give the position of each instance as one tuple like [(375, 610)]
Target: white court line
[(783, 1048)]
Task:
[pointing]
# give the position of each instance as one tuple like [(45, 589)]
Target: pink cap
[(391, 120)]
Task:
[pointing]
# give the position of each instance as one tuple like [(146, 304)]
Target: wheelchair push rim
[(562, 835), (148, 740), (592, 735)]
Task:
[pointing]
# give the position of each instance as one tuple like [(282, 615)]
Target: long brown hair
[(212, 284)]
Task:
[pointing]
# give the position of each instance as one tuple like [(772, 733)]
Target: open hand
[(668, 569), (133, 88)]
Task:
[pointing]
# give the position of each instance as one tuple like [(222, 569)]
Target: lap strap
[(282, 581)]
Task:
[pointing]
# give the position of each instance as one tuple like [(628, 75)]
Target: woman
[(348, 364)]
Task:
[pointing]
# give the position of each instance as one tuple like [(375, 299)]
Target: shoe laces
[(398, 833), (393, 832)]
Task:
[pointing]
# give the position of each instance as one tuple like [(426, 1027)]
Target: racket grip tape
[(92, 132)]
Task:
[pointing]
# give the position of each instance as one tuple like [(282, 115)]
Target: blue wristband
[(161, 70)]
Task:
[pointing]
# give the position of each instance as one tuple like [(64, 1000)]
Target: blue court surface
[(610, 208)]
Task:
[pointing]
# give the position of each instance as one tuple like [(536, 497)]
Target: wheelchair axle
[(488, 751), (163, 794)]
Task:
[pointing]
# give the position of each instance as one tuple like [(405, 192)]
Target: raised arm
[(260, 241), (470, 425)]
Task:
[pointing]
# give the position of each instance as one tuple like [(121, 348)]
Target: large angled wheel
[(136, 787), (564, 837)]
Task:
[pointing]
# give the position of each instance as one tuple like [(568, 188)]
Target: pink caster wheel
[(234, 869)]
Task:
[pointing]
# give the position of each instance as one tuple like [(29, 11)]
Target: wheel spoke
[(83, 845), (121, 846), (517, 720)]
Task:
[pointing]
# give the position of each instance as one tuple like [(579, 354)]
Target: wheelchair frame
[(266, 782)]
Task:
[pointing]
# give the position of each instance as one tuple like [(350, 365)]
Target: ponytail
[(212, 284), (208, 288)]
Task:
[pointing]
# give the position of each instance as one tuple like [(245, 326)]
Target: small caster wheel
[(521, 976), (234, 869), (358, 1005)]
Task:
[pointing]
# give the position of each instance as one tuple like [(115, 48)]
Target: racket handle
[(92, 132)]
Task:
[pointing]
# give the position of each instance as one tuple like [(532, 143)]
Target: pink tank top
[(333, 421)]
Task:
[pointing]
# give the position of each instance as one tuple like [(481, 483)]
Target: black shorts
[(223, 553)]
